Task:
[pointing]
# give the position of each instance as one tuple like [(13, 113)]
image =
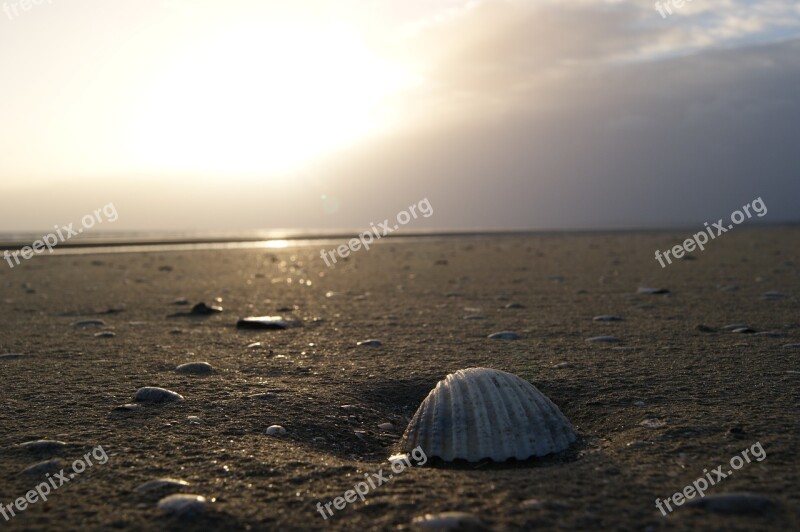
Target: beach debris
[(105, 334), (653, 423), (197, 368), (653, 291), (50, 467), (88, 323), (772, 295), (183, 505), (370, 343), (162, 483), (10, 356), (448, 521), (733, 503), (265, 323), (608, 317), (152, 394), (43, 445), (276, 430), (479, 413), (603, 339), (705, 328), (504, 335)]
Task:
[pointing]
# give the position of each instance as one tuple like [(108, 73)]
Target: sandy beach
[(677, 394)]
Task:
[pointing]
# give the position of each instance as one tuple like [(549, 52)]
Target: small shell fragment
[(265, 323), (480, 413), (504, 335)]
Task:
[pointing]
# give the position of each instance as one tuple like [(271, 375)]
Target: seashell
[(105, 334), (195, 367), (88, 323), (603, 339), (183, 505), (652, 291), (370, 343), (162, 483), (264, 322), (276, 430), (151, 394), (608, 317), (43, 445), (10, 356), (480, 413), (448, 521), (44, 468), (504, 335)]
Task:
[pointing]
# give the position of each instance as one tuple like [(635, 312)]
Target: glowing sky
[(227, 115)]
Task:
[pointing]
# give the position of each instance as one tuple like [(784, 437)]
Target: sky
[(211, 115)]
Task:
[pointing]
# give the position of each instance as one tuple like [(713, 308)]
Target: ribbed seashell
[(482, 413)]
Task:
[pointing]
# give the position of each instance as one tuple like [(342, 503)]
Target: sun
[(259, 101)]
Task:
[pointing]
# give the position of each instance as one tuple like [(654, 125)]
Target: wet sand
[(708, 395)]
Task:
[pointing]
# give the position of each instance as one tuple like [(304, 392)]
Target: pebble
[(152, 394), (606, 339), (514, 305), (639, 403), (638, 443), (265, 322), (276, 430), (180, 301), (183, 505), (532, 504), (791, 346), (105, 334), (773, 295), (448, 521), (370, 343), (562, 365), (504, 335), (386, 426), (255, 345), (770, 334), (652, 423), (733, 503), (194, 420), (607, 317), (705, 328), (263, 396), (10, 356), (475, 317), (744, 330), (43, 468), (161, 483), (653, 291), (43, 445), (195, 367), (729, 288), (88, 323)]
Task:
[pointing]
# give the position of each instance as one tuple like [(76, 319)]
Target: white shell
[(482, 413)]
